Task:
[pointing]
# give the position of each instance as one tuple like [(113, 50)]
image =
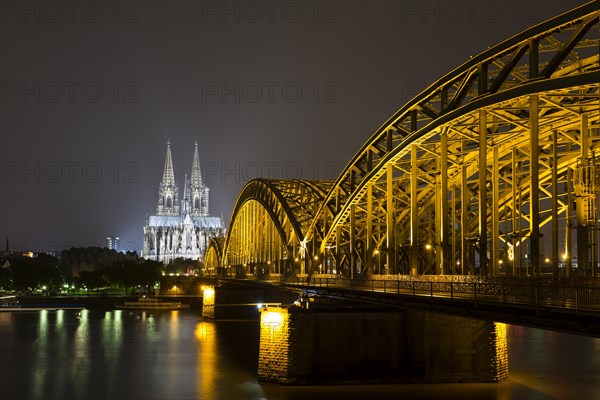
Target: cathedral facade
[(180, 228)]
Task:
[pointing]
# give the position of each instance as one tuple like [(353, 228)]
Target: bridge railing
[(533, 293)]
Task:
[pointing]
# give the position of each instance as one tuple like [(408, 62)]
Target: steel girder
[(450, 184), (268, 223)]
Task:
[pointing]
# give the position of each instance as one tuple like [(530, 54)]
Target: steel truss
[(493, 169)]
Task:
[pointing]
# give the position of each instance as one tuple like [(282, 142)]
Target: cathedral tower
[(168, 197), (199, 192)]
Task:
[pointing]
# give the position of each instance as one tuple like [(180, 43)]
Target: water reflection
[(158, 355), (38, 375), (206, 338), (554, 365)]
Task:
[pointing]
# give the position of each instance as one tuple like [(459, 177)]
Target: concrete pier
[(208, 302), (299, 346)]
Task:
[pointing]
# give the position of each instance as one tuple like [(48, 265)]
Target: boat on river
[(152, 303)]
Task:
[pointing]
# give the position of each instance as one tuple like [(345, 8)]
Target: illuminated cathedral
[(180, 228)]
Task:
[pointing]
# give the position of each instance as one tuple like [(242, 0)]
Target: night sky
[(91, 92)]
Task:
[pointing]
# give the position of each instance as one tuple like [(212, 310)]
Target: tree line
[(85, 269)]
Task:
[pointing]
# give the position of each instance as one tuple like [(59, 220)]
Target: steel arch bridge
[(268, 223), (493, 169)]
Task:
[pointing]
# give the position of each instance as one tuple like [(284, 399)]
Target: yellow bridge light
[(208, 295)]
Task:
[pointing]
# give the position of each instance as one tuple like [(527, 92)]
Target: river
[(114, 354)]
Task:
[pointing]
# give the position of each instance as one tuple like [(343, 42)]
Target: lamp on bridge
[(377, 267)]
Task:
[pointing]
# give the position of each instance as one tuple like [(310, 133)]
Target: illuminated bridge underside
[(269, 222), (495, 168)]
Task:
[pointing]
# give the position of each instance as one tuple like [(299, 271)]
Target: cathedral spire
[(186, 189), (168, 175), (198, 192), (168, 203), (185, 203), (196, 177)]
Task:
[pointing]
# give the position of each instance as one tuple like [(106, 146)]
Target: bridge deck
[(573, 309)]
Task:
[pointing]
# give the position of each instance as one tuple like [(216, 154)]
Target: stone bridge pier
[(300, 346), (329, 341)]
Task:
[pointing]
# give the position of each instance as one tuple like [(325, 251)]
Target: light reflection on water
[(116, 354)]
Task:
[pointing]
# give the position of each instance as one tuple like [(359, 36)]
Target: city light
[(428, 246)]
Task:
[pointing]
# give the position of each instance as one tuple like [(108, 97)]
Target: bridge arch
[(268, 225), (450, 185), (213, 256)]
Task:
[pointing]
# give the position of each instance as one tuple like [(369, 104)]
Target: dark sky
[(91, 92)]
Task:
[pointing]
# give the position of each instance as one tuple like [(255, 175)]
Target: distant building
[(180, 229), (112, 242)]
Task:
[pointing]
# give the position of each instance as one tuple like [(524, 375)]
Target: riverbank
[(97, 301)]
